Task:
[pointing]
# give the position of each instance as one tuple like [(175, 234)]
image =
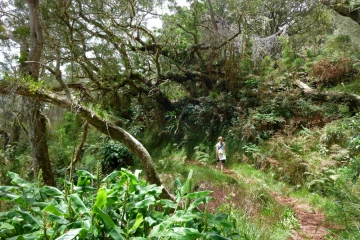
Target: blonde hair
[(220, 138)]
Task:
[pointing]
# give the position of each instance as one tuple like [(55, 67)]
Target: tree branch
[(344, 9), (103, 125)]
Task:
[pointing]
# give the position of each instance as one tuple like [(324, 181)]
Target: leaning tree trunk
[(103, 125), (37, 120)]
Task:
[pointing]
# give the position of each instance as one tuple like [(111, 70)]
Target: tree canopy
[(202, 69)]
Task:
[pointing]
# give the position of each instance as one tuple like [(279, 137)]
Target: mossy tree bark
[(36, 119), (103, 125), (344, 9)]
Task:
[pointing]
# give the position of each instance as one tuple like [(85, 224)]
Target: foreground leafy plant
[(124, 207)]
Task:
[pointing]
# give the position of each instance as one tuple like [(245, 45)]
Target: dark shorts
[(222, 161)]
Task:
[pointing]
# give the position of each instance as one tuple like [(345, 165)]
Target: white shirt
[(221, 150)]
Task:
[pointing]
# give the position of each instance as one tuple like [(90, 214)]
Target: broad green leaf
[(168, 203), (101, 198), (186, 187), (29, 219), (133, 179), (197, 194), (112, 176), (196, 203), (6, 226), (50, 191), (84, 178), (52, 209), (162, 228), (8, 188), (213, 236), (189, 233), (84, 189), (72, 233), (168, 233), (38, 235), (219, 220), (16, 179), (180, 216), (150, 189), (42, 205), (138, 238), (150, 221), (17, 238), (109, 224), (9, 214), (87, 223), (80, 206), (56, 219), (158, 229), (139, 220), (146, 202), (117, 234), (8, 196)]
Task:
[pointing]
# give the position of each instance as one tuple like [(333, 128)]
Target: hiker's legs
[(222, 165)]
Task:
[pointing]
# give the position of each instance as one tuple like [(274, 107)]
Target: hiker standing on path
[(220, 153)]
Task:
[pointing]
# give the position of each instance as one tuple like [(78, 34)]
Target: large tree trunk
[(38, 142), (104, 126), (36, 120), (343, 8)]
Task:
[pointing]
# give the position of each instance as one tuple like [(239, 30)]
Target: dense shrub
[(115, 156), (122, 207), (332, 72)]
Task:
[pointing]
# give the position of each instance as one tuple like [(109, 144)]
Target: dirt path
[(312, 222)]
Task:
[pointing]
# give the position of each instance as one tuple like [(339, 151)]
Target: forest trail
[(312, 222)]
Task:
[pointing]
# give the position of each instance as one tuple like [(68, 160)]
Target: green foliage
[(63, 141), (125, 207), (252, 83), (22, 31), (98, 110), (115, 156), (202, 154), (252, 151), (290, 59), (4, 167), (172, 159), (173, 90), (322, 182), (289, 220), (338, 43), (266, 66)]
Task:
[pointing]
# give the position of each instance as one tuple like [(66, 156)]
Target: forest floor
[(312, 222)]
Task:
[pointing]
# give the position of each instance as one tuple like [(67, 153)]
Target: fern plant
[(201, 154)]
